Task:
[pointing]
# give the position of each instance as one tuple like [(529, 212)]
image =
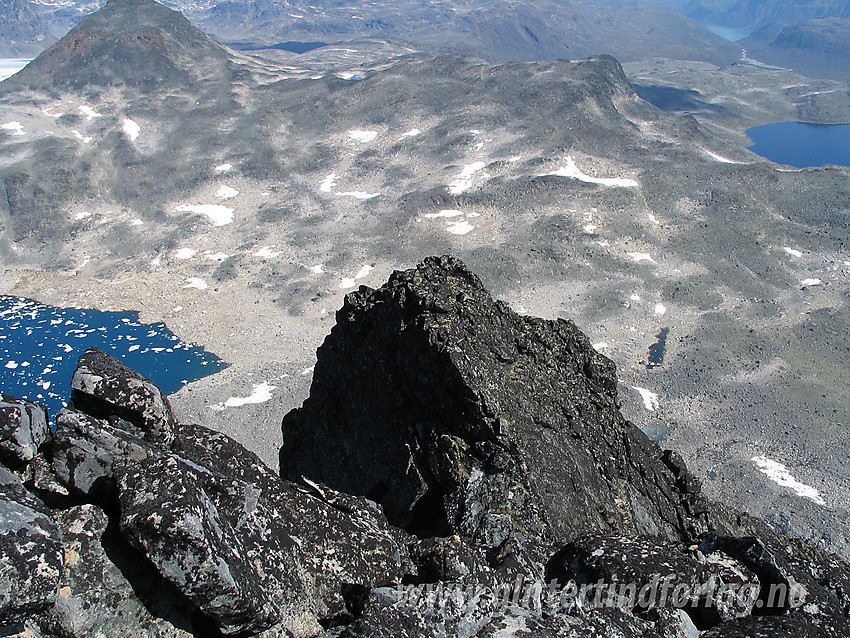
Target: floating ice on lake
[(780, 475)]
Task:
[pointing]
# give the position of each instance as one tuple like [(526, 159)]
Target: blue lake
[(800, 144), (40, 345), (730, 33)]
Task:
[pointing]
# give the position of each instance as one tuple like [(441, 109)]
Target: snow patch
[(642, 257), (219, 215), (15, 126), (216, 256), (460, 227), (364, 137), (266, 252), (346, 283), (225, 192), (85, 139), (196, 283), (412, 133), (443, 213), (223, 168), (780, 475), (719, 158), (571, 170), (358, 194), (813, 281), (81, 216), (601, 346), (131, 128), (327, 184), (653, 219), (792, 251), (590, 229), (317, 269), (650, 399), (463, 180), (363, 272), (259, 394), (660, 309), (185, 253), (89, 112)]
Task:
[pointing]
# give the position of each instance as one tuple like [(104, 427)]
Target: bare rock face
[(246, 549), (461, 417), (30, 552), (23, 430), (104, 387), (537, 509)]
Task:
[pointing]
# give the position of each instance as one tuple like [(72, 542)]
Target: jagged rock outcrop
[(103, 387), (30, 552), (23, 429), (462, 417), (133, 523)]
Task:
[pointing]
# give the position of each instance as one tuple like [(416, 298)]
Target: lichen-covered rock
[(86, 448), (102, 387), (166, 513), (643, 573), (106, 589), (461, 417), (341, 539), (30, 552), (23, 430)]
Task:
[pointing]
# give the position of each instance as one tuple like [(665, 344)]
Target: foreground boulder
[(104, 387), (30, 552), (538, 511), (246, 549), (462, 417), (23, 430)]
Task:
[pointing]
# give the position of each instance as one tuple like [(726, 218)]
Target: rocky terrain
[(495, 30), (239, 199), (506, 476), (21, 32)]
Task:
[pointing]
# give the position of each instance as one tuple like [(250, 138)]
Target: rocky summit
[(458, 470)]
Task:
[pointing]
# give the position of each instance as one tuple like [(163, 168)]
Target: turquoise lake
[(40, 345), (802, 145)]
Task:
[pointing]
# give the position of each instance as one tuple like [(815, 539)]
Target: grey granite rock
[(23, 430), (102, 387), (30, 552)]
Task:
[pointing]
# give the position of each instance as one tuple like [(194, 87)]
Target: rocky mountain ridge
[(125, 521)]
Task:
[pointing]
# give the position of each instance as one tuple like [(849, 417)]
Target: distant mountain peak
[(137, 43)]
